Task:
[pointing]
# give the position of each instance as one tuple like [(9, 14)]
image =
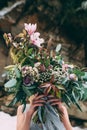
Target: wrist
[(30, 114), (68, 126)]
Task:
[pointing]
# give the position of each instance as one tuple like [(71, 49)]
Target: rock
[(5, 25), (10, 14), (78, 128), (85, 124), (1, 93), (10, 110), (1, 83), (76, 113)]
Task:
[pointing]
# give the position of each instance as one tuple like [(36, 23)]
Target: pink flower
[(73, 77), (64, 67), (36, 40), (30, 28)]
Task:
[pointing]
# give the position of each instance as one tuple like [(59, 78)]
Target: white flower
[(36, 40), (37, 64), (15, 44), (30, 28), (35, 70), (71, 66)]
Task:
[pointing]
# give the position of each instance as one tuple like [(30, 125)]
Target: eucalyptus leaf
[(75, 101), (68, 98), (82, 93), (84, 85), (31, 87), (18, 85), (58, 48), (76, 84), (85, 76), (17, 72), (64, 81), (26, 90), (10, 83), (85, 94)]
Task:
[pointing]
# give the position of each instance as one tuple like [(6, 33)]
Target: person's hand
[(35, 102), (62, 110), (24, 118)]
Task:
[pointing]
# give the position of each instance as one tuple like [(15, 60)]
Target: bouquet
[(35, 69)]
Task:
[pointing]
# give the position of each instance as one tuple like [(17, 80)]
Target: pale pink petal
[(36, 40), (73, 77), (30, 28), (64, 67)]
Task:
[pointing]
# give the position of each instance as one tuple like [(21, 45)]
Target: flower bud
[(42, 68)]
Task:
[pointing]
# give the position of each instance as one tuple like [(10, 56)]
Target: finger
[(61, 107), (55, 103), (54, 100), (61, 118), (20, 109), (36, 95), (50, 96), (38, 104), (60, 111), (39, 101), (39, 97)]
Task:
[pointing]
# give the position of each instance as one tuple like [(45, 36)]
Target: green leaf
[(17, 72), (47, 62), (31, 87), (84, 85), (75, 101), (10, 83), (20, 96), (18, 85), (27, 61), (76, 84), (85, 94), (78, 72), (30, 51), (65, 82), (68, 98), (25, 89), (85, 76)]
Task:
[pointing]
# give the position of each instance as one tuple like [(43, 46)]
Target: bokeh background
[(59, 22)]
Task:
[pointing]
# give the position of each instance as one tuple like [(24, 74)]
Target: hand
[(24, 118), (62, 110), (35, 102)]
